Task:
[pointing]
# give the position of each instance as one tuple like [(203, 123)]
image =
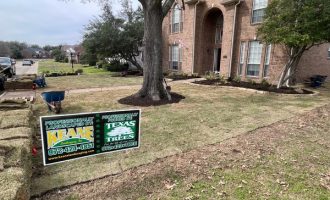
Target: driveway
[(24, 70)]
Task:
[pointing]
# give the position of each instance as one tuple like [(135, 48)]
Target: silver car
[(6, 67)]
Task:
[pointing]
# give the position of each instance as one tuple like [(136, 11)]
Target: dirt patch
[(255, 86), (145, 102)]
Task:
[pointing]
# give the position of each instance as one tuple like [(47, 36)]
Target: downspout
[(232, 40), (194, 39)]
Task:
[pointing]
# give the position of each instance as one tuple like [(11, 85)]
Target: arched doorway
[(212, 41)]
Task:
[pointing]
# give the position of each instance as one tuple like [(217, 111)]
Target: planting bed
[(256, 86)]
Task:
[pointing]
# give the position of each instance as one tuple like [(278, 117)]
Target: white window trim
[(241, 61), (253, 9), (180, 23), (180, 56), (248, 60), (267, 57)]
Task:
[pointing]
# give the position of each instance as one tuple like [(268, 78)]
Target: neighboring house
[(34, 52), (72, 52), (220, 35)]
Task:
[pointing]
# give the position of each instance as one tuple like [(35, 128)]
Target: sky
[(47, 22)]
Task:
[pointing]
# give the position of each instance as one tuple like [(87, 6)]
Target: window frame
[(179, 24), (248, 60), (241, 61), (252, 12), (179, 60), (267, 57)]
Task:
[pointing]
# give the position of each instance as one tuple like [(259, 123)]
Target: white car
[(27, 63)]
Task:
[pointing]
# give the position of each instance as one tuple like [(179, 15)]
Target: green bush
[(66, 60), (265, 83), (210, 75), (237, 79), (116, 66), (79, 71)]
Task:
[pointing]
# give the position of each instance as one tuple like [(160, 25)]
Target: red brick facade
[(199, 51)]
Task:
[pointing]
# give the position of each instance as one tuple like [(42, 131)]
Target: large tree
[(298, 25), (115, 37), (154, 13)]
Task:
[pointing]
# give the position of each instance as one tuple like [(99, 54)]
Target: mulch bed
[(146, 101), (178, 77), (256, 86)]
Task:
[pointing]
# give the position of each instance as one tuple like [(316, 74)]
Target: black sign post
[(67, 137)]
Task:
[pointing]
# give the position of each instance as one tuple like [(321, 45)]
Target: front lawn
[(90, 78), (50, 66), (208, 115)]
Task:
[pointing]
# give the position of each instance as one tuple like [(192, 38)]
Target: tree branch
[(167, 6)]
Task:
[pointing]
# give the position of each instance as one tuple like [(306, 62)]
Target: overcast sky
[(45, 22)]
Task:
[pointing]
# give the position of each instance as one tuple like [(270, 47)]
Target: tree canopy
[(110, 36), (298, 25)]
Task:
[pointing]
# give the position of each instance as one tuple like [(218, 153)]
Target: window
[(329, 53), (175, 57), (267, 60), (241, 59), (218, 31), (255, 50), (259, 7), (176, 20)]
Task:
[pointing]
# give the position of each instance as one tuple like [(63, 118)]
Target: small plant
[(251, 81), (209, 75), (79, 71), (265, 83), (237, 79)]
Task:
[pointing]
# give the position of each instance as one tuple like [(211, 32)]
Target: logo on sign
[(119, 131)]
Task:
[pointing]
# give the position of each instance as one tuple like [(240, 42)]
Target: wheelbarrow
[(53, 100)]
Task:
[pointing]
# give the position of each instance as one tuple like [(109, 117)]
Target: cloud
[(47, 21)]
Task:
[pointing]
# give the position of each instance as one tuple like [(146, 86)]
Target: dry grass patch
[(206, 116)]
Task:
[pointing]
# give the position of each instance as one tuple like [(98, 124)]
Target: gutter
[(194, 35), (232, 40)]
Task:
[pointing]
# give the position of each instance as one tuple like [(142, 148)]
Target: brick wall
[(314, 61)]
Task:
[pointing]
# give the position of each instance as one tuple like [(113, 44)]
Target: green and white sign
[(67, 137)]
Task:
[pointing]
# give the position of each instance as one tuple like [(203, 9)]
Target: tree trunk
[(290, 67), (153, 86)]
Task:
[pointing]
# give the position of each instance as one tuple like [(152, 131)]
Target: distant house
[(72, 52), (34, 52)]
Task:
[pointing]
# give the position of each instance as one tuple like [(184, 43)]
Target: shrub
[(237, 79), (251, 81), (66, 59), (116, 66), (265, 83), (79, 71), (100, 64), (209, 75)]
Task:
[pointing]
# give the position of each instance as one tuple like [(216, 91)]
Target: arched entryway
[(211, 41)]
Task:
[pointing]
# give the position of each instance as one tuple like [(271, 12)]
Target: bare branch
[(167, 6)]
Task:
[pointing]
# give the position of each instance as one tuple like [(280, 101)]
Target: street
[(23, 70)]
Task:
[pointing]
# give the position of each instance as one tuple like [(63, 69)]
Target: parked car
[(6, 67), (27, 63)]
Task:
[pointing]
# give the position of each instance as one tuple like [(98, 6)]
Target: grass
[(50, 66), (91, 77), (293, 171), (215, 114)]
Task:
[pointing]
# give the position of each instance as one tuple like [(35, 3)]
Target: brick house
[(220, 35)]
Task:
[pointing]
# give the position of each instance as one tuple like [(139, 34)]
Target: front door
[(216, 61)]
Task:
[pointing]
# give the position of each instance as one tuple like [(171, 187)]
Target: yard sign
[(67, 137)]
